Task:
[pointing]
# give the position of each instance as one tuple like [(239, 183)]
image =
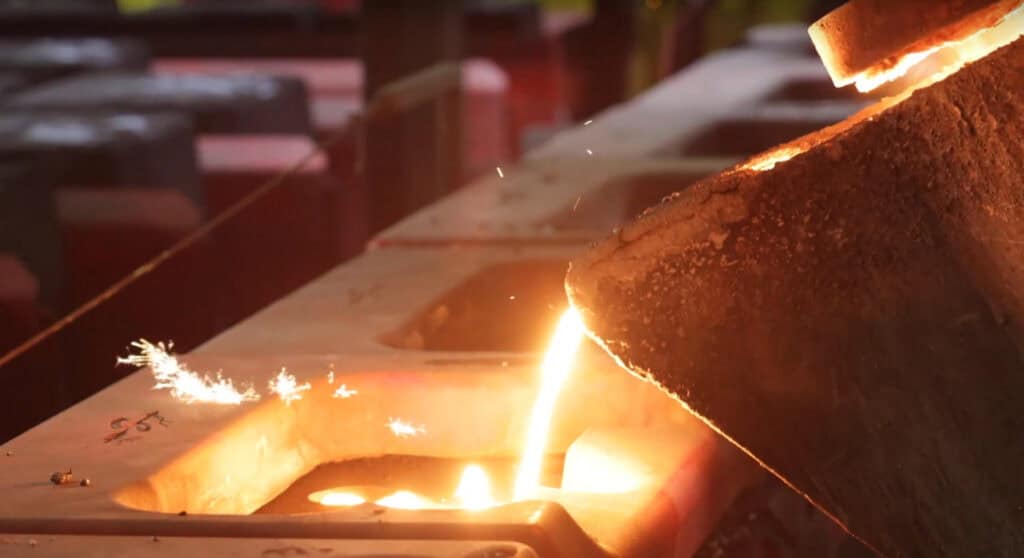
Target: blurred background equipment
[(132, 126), (170, 169)]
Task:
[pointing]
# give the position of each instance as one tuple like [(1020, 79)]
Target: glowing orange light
[(404, 500), (946, 58), (873, 79), (773, 158), (337, 499), (184, 384), (603, 462), (554, 371), (474, 491)]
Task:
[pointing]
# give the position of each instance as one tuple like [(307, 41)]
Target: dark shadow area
[(623, 199), (504, 308), (742, 137)]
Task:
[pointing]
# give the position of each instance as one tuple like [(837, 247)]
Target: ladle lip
[(866, 36)]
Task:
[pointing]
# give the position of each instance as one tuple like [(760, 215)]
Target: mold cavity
[(434, 479), (508, 307), (765, 128), (274, 453), (622, 199)]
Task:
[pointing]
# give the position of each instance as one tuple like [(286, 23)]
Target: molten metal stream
[(554, 371), (474, 491)]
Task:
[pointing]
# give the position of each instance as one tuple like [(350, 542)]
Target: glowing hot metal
[(554, 371), (945, 59), (404, 500), (341, 499), (773, 158), (871, 80), (474, 491)]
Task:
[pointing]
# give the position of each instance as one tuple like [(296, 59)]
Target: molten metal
[(951, 37), (768, 162), (870, 80), (404, 500), (554, 371), (949, 58), (340, 499), (474, 491)]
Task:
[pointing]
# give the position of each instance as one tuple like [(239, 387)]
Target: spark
[(184, 384), (287, 387), (330, 377), (554, 372), (589, 152), (577, 204), (500, 173), (344, 392), (403, 429), (588, 122)]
